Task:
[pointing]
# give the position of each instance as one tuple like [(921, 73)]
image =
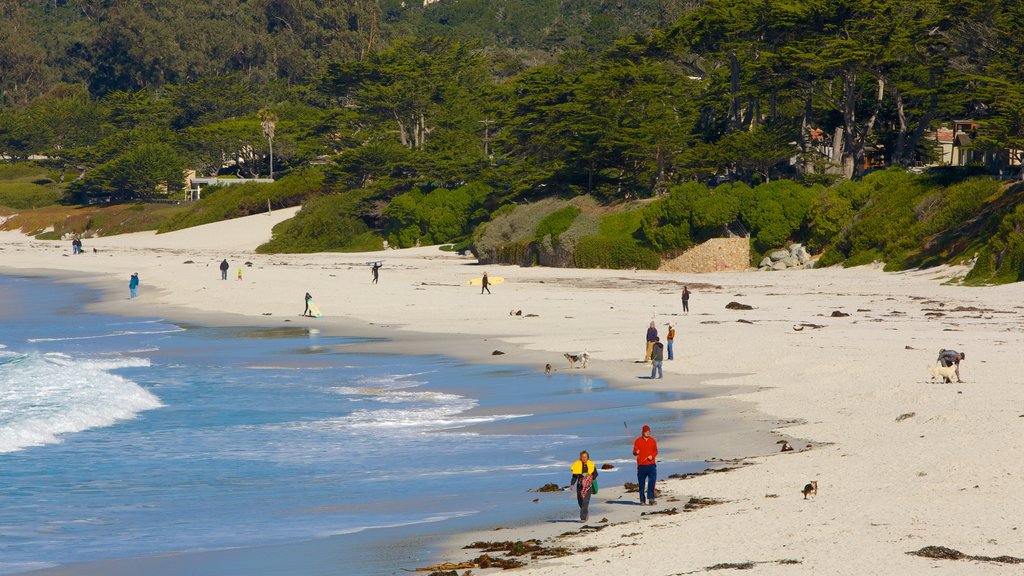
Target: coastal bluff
[(714, 255)]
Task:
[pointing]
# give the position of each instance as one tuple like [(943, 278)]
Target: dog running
[(946, 372), (582, 358), (810, 489)]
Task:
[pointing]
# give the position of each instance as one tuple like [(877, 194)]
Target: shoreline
[(835, 356)]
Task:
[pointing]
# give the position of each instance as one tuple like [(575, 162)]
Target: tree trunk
[(933, 105), (734, 87), (901, 137), (401, 131), (271, 142)]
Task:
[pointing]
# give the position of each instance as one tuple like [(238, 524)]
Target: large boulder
[(778, 255)]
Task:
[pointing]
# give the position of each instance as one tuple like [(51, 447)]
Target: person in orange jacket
[(645, 448)]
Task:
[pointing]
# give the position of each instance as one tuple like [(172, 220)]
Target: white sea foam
[(108, 335), (45, 396)]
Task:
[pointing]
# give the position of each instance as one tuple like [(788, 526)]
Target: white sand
[(950, 475)]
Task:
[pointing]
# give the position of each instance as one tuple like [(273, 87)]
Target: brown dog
[(810, 489)]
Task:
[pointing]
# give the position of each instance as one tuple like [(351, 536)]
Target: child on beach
[(657, 355), (584, 473)]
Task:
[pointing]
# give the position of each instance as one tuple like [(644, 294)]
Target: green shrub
[(828, 219), (26, 172), (556, 223), (775, 212), (324, 224), (1002, 259), (957, 203), (439, 216), (25, 195), (225, 202), (616, 253)]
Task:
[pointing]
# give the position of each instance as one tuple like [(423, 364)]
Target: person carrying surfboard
[(308, 299), (375, 271), (483, 284)]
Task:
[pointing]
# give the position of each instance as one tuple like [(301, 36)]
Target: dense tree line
[(523, 99)]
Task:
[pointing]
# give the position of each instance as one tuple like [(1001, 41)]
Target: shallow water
[(122, 438)]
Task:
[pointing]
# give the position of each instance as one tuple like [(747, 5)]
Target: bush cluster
[(26, 195), (324, 224), (617, 253), (226, 202), (437, 216)]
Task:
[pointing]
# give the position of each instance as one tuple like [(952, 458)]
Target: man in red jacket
[(645, 448)]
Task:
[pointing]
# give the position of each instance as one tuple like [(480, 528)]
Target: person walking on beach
[(686, 304), (950, 357), (652, 337), (375, 271), (671, 338), (239, 273), (483, 284), (657, 355), (584, 473), (645, 448), (308, 299), (224, 269), (133, 285), (76, 246)]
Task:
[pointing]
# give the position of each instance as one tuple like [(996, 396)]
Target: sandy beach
[(832, 360)]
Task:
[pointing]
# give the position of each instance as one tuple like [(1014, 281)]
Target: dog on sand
[(582, 358), (810, 489), (946, 372)]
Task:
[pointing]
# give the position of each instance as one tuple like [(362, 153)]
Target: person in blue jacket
[(133, 285)]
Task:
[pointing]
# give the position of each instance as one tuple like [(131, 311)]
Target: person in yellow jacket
[(584, 473)]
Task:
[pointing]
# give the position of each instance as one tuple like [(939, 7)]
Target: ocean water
[(125, 437)]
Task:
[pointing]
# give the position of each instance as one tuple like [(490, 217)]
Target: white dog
[(946, 372), (583, 358)]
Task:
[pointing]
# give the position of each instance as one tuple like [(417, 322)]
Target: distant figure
[(645, 448), (652, 337), (657, 355), (950, 357), (671, 338), (133, 285), (308, 299), (224, 269), (583, 475), (686, 303), (786, 447), (375, 271), (483, 284), (239, 274), (76, 246)]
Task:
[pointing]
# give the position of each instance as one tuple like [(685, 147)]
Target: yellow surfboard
[(314, 310), (491, 281)]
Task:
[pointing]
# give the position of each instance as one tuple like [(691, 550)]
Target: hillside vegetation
[(612, 134)]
